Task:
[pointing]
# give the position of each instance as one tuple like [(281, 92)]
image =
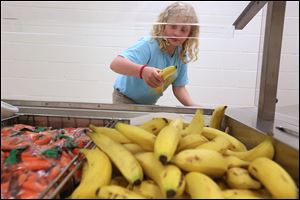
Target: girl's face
[(176, 32)]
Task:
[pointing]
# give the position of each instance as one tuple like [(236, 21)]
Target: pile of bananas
[(171, 159)]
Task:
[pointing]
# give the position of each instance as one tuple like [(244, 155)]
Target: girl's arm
[(183, 96), (149, 74)]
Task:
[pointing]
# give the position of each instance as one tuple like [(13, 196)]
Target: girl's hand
[(151, 77)]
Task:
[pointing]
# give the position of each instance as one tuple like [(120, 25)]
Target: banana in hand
[(166, 74)]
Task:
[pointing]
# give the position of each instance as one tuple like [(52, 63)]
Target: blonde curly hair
[(190, 46)]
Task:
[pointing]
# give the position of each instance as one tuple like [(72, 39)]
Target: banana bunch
[(201, 186), (137, 135), (217, 117), (239, 178), (278, 182), (96, 173), (165, 74), (264, 149), (167, 140), (121, 157), (206, 161), (196, 124), (155, 125), (171, 159)]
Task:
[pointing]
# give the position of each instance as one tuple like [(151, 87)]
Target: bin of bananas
[(167, 159)]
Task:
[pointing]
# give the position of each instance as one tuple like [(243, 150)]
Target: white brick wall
[(61, 51)]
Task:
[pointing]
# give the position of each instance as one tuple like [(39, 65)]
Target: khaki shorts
[(119, 98)]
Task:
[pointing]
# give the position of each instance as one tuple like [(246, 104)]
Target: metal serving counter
[(243, 123)]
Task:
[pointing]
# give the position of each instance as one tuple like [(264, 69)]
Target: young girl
[(173, 42)]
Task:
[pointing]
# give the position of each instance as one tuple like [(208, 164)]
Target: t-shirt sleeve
[(182, 78), (138, 53)]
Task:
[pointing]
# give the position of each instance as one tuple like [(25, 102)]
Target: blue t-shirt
[(147, 51)]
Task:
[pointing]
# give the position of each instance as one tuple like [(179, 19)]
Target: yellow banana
[(151, 166), (149, 189), (165, 74), (191, 141), (201, 186), (154, 125), (211, 133), (278, 182), (137, 135), (133, 148), (117, 192), (217, 117), (239, 178), (97, 174), (167, 140), (120, 156), (264, 149), (244, 194), (172, 181), (219, 144), (110, 132), (206, 161), (234, 161), (120, 181), (196, 124), (162, 175)]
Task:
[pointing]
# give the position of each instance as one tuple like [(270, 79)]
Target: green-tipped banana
[(96, 174), (264, 149), (201, 186), (206, 161), (211, 133), (217, 117), (278, 182), (110, 132), (167, 140), (137, 135), (196, 124), (117, 192), (121, 157), (239, 178), (154, 125)]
